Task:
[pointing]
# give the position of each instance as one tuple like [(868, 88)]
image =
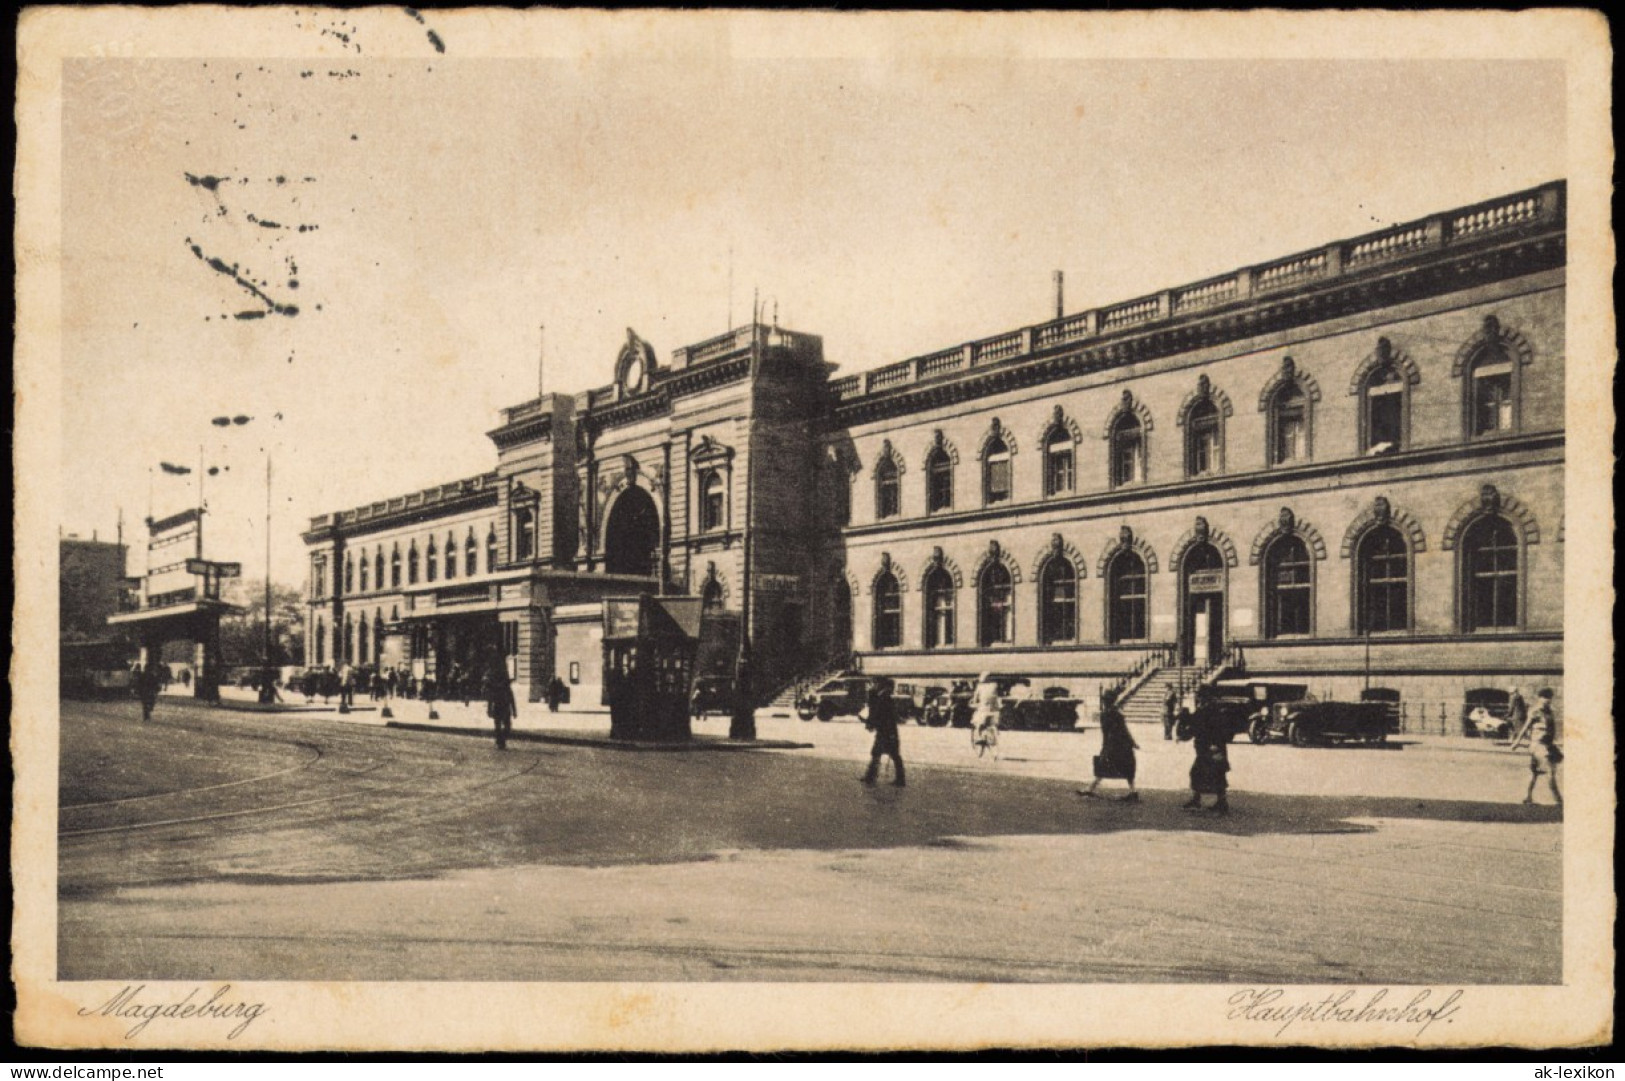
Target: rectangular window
[(998, 481), (1384, 406), (1126, 459), (1492, 398), (1289, 436), (1058, 477)]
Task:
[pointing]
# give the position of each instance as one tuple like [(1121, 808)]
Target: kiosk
[(650, 645)]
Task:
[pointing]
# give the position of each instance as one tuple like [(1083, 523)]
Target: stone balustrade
[(1539, 206)]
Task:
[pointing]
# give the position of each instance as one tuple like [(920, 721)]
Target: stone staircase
[(1144, 703), (785, 697)]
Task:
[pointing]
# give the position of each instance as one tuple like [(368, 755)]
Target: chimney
[(1060, 304)]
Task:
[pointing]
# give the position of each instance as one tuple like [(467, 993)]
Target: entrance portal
[(632, 534), (1201, 632)]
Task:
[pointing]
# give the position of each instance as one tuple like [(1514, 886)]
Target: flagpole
[(743, 723), (200, 501)]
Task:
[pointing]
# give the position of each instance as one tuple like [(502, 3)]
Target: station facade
[(1344, 466)]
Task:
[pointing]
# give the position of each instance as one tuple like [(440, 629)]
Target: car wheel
[(826, 712), (805, 712), (1296, 734), (1258, 732)]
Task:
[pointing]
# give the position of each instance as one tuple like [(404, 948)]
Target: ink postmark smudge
[(220, 266)]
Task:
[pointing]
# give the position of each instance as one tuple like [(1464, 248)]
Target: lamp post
[(267, 691)]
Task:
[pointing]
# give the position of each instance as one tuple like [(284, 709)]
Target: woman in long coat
[(1116, 757), (499, 702), (1212, 764)]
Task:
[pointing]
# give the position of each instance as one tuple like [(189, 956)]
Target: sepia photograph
[(784, 531)]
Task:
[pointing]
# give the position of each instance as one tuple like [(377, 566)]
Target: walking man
[(881, 718), (1170, 708), (1517, 716), (146, 688), (499, 702), (1544, 753)]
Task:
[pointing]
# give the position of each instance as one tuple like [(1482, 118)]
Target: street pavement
[(305, 845)]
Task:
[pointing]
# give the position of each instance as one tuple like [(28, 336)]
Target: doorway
[(1201, 632)]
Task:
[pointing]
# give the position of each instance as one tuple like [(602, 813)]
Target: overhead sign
[(209, 566), (777, 583)]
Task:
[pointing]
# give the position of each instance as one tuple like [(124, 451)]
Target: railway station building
[(1344, 466)]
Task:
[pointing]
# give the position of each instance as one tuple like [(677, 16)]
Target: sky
[(360, 252)]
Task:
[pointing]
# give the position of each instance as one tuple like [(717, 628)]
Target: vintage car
[(1241, 702), (712, 694), (847, 695), (843, 696), (1309, 721), (951, 707), (1485, 714), (1054, 710), (916, 701)]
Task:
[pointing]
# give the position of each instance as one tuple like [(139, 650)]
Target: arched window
[(349, 573), (1492, 407), (365, 565), (1203, 448), (412, 565), (377, 637), (888, 612), (524, 534), (996, 610), (1058, 599), (1288, 603), (1383, 398), (349, 639), (378, 567), (363, 650), (711, 596), (996, 473), (1126, 598), (318, 578), (320, 641), (471, 556), (1289, 425), (1382, 582), (395, 566), (431, 562), (939, 481), (451, 556), (711, 500), (1489, 561), (491, 551), (1060, 465), (1128, 451), (939, 609), (888, 493)]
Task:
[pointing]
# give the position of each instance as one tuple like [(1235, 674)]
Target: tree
[(242, 634)]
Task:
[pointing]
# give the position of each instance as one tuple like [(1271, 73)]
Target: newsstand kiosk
[(650, 644)]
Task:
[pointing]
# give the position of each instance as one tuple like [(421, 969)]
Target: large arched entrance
[(1202, 621), (632, 534)]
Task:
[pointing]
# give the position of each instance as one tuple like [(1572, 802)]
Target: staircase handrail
[(801, 683), (1143, 669)]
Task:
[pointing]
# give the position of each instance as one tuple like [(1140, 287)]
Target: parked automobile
[(1485, 714), (847, 695), (916, 700), (843, 696), (1241, 702), (712, 694), (1054, 710), (952, 707), (1309, 721)]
